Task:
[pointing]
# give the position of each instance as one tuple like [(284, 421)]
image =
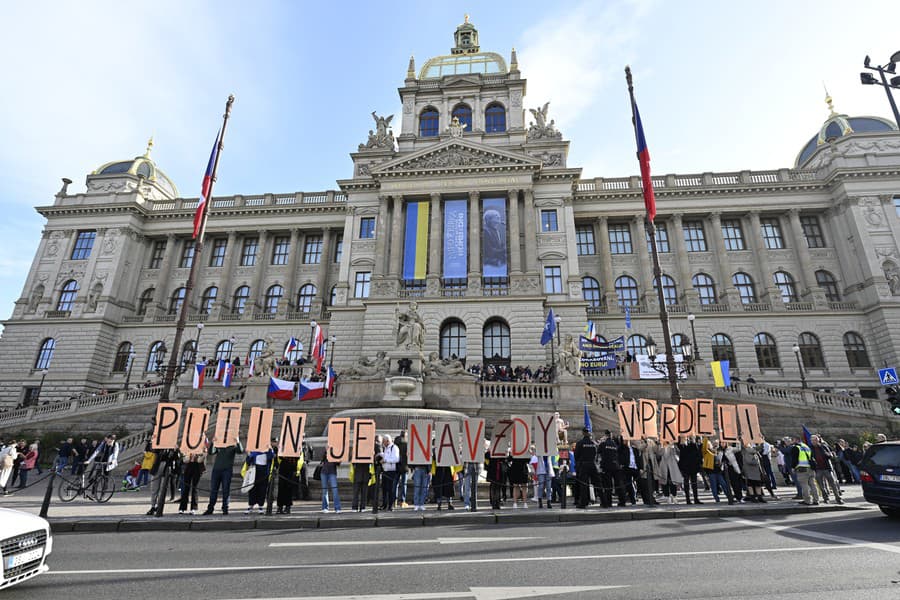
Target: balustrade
[(511, 390)]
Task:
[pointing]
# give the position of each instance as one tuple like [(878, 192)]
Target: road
[(822, 556)]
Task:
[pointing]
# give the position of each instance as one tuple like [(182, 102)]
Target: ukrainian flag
[(415, 247), (721, 373)]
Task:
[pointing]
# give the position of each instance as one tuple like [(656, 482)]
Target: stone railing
[(798, 306), (842, 305), (298, 198), (803, 398), (79, 406), (722, 307), (510, 390), (742, 178)]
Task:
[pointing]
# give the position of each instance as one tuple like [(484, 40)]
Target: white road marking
[(479, 561), (816, 535), (478, 593), (448, 540)]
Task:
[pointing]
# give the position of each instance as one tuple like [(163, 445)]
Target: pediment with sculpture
[(457, 154)]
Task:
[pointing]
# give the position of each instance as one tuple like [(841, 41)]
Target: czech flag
[(199, 375), (206, 187), (279, 389), (229, 374), (318, 349), (310, 390), (292, 345), (329, 380), (590, 332), (220, 369), (643, 154), (251, 368), (721, 373)]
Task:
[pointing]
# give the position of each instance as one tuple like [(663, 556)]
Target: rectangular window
[(366, 228), (620, 238), (585, 240), (338, 248), (248, 252), (281, 250), (694, 236), (312, 250), (31, 396), (662, 239), (733, 234), (771, 232), (363, 279), (187, 254), (548, 220), (812, 231), (157, 254), (897, 205), (83, 244), (552, 280), (217, 256)]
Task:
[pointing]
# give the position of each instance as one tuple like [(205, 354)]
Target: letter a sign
[(888, 376)]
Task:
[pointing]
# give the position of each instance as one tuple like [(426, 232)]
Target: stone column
[(530, 265), (807, 277), (322, 291), (381, 237), (682, 263), (291, 277), (435, 246), (515, 244), (165, 274), (225, 291), (640, 240), (765, 284), (396, 264), (608, 281), (727, 292), (474, 241), (259, 269)]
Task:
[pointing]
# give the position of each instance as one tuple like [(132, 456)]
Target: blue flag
[(807, 436), (587, 419), (549, 329), (627, 318)]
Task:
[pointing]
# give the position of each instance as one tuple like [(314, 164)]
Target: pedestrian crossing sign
[(888, 376)]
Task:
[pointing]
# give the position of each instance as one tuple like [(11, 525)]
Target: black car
[(879, 472)]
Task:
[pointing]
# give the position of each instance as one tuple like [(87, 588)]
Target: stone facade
[(836, 211)]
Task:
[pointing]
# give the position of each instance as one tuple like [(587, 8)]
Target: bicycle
[(98, 486)]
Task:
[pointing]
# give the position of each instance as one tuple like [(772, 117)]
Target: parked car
[(25, 543), (879, 472)]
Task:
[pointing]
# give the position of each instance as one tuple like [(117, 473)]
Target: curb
[(143, 524)]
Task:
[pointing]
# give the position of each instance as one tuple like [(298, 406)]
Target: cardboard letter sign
[(545, 436), (338, 439), (628, 421), (521, 436), (473, 436), (447, 435), (728, 427), (165, 434), (687, 418), (363, 441), (419, 447), (668, 423), (705, 417), (228, 424), (501, 432), (193, 436), (291, 442), (260, 430), (748, 419), (648, 418)]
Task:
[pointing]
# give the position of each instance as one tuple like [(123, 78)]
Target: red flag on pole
[(206, 187)]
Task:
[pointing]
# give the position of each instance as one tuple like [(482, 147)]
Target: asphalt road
[(822, 556)]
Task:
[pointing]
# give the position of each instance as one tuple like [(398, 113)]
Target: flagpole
[(650, 228), (175, 354)]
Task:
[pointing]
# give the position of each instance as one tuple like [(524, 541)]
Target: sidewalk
[(125, 512)]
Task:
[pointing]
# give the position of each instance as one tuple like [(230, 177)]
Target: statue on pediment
[(540, 129), (382, 137)]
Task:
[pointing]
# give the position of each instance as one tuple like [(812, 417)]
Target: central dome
[(464, 58)]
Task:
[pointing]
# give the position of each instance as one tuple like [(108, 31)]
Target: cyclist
[(106, 453)]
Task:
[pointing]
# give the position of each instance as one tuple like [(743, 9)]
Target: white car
[(25, 543)]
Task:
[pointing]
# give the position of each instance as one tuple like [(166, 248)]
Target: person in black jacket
[(689, 462), (631, 462), (586, 455), (168, 462), (611, 471)]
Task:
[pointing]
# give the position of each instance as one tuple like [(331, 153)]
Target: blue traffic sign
[(888, 376)]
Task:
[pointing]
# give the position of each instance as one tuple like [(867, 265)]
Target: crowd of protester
[(519, 374)]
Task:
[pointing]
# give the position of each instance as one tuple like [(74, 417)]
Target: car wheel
[(893, 513)]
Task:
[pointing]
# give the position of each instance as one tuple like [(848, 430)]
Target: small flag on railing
[(721, 372), (199, 375), (229, 374), (292, 345), (329, 381), (280, 389), (220, 369), (310, 390)]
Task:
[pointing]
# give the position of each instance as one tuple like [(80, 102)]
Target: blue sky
[(722, 86)]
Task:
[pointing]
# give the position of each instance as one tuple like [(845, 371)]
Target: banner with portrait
[(493, 237), (456, 239)]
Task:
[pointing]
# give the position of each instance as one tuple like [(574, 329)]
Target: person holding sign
[(261, 463), (713, 465), (669, 476), (689, 462), (193, 470), (329, 483), (753, 473), (221, 474)]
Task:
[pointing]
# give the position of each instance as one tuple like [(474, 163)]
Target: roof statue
[(382, 137), (540, 128)]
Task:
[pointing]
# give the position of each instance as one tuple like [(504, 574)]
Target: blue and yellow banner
[(721, 372), (415, 247)]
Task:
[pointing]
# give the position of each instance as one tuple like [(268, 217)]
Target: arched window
[(766, 351), (155, 357), (811, 351), (494, 118), (453, 340), (743, 283), (829, 285), (723, 349), (273, 297), (223, 350), (429, 122), (256, 348), (145, 301), (45, 354), (669, 290), (188, 353), (637, 344), (855, 348), (67, 295), (120, 362), (305, 297), (241, 295), (590, 289), (332, 298), (627, 291), (678, 342), (706, 288), (295, 355), (176, 301), (464, 114), (208, 300), (785, 283), (495, 341)]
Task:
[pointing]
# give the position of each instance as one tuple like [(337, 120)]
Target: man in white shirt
[(390, 459)]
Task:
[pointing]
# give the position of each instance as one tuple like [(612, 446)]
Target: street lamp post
[(691, 317), (196, 353), (128, 370), (332, 340), (796, 350), (558, 320), (312, 331), (890, 67), (41, 385)]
